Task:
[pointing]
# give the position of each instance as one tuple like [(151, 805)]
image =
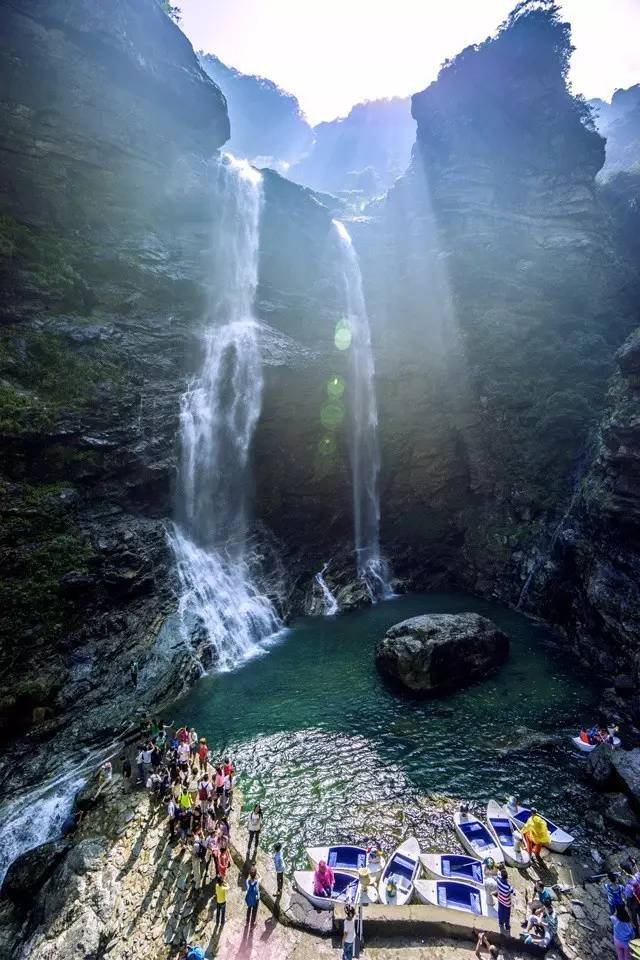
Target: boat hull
[(559, 841), (349, 889), (476, 838), (454, 895), (501, 829), (588, 747), (404, 865), (454, 867)]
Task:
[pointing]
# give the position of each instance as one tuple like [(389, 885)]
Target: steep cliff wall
[(499, 301), (109, 208)]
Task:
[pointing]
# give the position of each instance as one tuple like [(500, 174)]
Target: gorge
[(232, 405)]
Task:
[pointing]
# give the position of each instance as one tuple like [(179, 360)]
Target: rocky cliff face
[(109, 203), (498, 299)]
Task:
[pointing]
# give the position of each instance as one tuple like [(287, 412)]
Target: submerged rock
[(441, 652)]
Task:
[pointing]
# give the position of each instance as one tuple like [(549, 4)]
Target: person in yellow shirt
[(221, 900), (536, 834)]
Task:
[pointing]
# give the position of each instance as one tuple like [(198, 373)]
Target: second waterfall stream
[(220, 603), (365, 457)]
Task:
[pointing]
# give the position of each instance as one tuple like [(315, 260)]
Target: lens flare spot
[(335, 388), (342, 337), (327, 447), (332, 415)]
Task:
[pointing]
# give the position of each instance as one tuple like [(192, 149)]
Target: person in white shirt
[(254, 826), (349, 933)]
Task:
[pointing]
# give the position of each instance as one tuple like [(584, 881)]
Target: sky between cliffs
[(334, 53)]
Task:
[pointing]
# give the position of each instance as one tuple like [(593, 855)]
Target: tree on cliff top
[(170, 10), (510, 95)]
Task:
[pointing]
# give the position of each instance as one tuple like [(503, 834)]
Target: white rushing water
[(330, 602), (219, 412), (365, 457)]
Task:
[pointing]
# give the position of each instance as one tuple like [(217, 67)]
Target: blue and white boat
[(454, 866), (345, 857), (508, 839), (475, 837), (346, 889), (455, 895), (402, 868)]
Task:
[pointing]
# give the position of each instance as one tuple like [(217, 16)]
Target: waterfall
[(330, 602), (219, 410), (365, 459)]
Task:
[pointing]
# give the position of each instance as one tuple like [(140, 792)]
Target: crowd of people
[(179, 770)]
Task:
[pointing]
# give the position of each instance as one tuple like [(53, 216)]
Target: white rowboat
[(560, 839), (500, 827), (454, 866), (403, 866), (344, 857), (475, 837), (455, 895), (588, 747)]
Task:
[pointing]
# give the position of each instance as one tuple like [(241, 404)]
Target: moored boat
[(475, 837), (454, 866), (455, 895), (345, 888), (559, 841), (402, 867), (346, 857), (500, 827), (585, 747)]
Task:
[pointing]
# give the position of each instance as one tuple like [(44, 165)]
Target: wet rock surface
[(439, 653)]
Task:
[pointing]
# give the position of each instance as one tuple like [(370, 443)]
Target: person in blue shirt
[(623, 932), (278, 866), (193, 953), (614, 891)]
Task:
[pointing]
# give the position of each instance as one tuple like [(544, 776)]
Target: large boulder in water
[(437, 653)]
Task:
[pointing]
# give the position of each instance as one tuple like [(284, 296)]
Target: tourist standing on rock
[(229, 770), (252, 895), (536, 834), (623, 932), (193, 742), (126, 767), (254, 825), (203, 754), (278, 866), (632, 896), (198, 854), (172, 810), (348, 932), (221, 900), (614, 891), (204, 794), (140, 764), (505, 894), (223, 859)]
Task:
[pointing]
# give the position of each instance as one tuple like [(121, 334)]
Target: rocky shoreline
[(117, 887)]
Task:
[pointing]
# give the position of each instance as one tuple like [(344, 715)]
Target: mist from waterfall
[(220, 603), (365, 458)]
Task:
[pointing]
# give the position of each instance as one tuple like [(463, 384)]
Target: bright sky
[(334, 53)]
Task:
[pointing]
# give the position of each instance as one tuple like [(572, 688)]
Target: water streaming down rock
[(330, 602), (365, 458), (218, 416)]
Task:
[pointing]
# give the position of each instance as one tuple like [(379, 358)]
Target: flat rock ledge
[(439, 653)]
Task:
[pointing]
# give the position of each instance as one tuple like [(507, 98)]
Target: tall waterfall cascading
[(372, 569), (218, 415)]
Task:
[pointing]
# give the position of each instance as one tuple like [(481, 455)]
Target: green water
[(333, 754)]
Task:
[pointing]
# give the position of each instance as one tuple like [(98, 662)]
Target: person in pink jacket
[(323, 880)]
